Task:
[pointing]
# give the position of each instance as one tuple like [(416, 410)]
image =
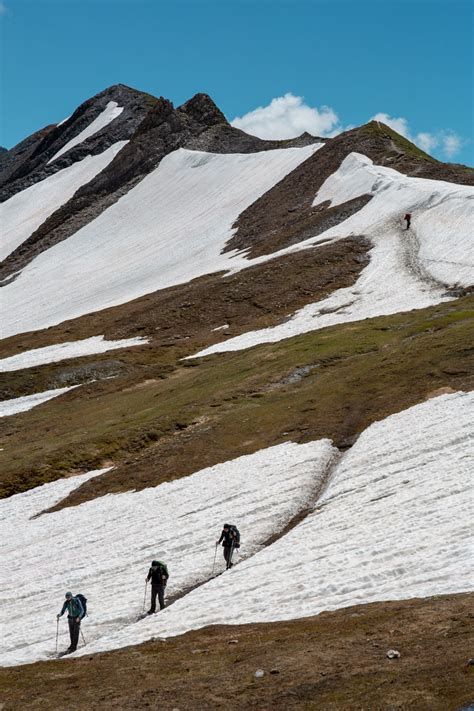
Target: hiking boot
[(151, 612)]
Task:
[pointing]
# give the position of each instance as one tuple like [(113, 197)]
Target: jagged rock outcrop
[(27, 163)]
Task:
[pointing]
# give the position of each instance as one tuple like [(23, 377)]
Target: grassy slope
[(157, 427), (336, 660), (377, 127)]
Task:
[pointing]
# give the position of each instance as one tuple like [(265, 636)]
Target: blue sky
[(408, 59)]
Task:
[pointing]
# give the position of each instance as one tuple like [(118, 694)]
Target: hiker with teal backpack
[(76, 607), (158, 574)]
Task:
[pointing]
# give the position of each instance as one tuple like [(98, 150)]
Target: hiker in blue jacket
[(75, 613)]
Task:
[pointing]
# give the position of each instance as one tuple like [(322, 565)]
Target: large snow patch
[(28, 402), (103, 548), (394, 523), (63, 351), (169, 229), (407, 269), (23, 213), (111, 112)]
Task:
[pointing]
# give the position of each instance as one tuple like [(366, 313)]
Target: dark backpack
[(236, 536), (84, 602)]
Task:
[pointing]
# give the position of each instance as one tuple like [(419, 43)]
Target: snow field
[(28, 402), (103, 548), (17, 510), (394, 523), (442, 212), (169, 229), (23, 213), (63, 351), (111, 111), (407, 269)]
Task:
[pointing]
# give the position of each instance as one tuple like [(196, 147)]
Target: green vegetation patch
[(328, 383)]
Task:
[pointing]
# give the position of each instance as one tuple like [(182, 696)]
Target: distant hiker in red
[(407, 218)]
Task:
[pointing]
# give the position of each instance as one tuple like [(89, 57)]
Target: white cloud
[(288, 116), (451, 144), (448, 142), (3, 8), (427, 141), (400, 125)]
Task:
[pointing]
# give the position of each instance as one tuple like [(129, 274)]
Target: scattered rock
[(470, 663), (233, 641), (393, 654), (199, 651), (259, 674), (274, 671)]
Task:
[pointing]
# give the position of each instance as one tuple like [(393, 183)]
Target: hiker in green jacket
[(75, 613)]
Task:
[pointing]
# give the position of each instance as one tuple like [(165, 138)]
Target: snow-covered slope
[(167, 230), (442, 213), (16, 511), (63, 351), (407, 269), (23, 213), (111, 111), (394, 523), (103, 548), (27, 402)]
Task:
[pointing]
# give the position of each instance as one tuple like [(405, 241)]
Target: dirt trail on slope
[(335, 661), (410, 245)]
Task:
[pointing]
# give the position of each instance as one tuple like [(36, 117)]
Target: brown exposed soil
[(335, 661)]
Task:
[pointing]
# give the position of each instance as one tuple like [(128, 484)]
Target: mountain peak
[(203, 109)]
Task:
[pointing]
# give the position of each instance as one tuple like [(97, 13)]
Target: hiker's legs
[(154, 593), (160, 591), (74, 628), (227, 555), (70, 622)]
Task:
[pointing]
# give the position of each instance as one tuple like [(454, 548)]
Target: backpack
[(84, 602), (163, 567), (236, 536)]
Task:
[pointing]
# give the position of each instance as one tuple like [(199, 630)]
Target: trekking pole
[(57, 633), (144, 597), (83, 639), (215, 556)]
